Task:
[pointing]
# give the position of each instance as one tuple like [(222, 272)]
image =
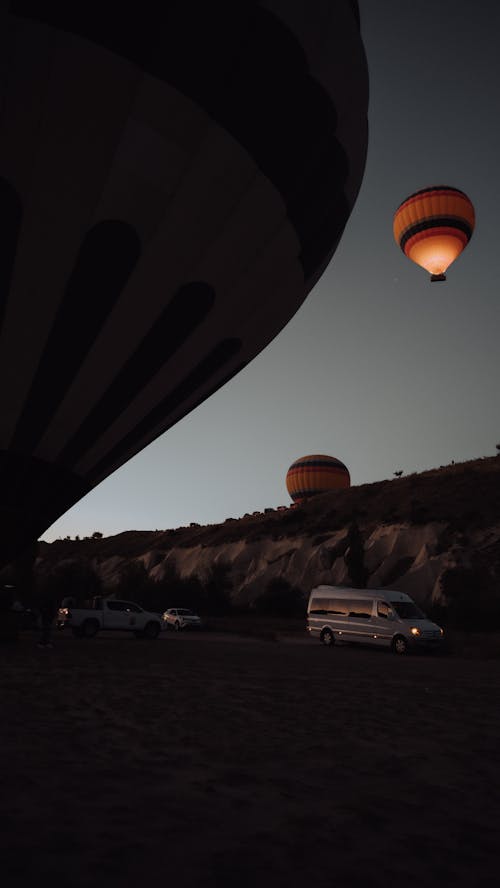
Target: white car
[(181, 618)]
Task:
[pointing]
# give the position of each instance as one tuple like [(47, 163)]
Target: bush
[(472, 599), (209, 595), (281, 599), (75, 579), (218, 587)]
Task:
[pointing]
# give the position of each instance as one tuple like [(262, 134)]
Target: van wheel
[(400, 645), (327, 637)]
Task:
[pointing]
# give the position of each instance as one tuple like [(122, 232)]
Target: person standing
[(48, 604)]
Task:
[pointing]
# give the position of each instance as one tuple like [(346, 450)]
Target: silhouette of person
[(48, 604)]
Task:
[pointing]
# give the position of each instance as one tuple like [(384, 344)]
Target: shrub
[(217, 590), (472, 600), (281, 599), (75, 579)]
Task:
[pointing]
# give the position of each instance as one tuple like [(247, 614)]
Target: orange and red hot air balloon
[(315, 474), (433, 226)]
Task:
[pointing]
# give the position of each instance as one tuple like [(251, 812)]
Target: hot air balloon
[(433, 226), (174, 178), (315, 474)]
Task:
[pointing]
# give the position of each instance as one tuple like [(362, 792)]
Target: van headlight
[(415, 630)]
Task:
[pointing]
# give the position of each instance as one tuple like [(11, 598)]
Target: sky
[(379, 367)]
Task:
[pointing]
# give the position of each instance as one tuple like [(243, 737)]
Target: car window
[(117, 605), (384, 610), (318, 606), (408, 610), (337, 607), (124, 607), (360, 609)]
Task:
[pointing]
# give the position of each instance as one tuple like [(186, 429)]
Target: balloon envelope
[(315, 474), (433, 226), (174, 178)]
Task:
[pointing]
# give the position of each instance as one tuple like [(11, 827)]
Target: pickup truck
[(109, 614)]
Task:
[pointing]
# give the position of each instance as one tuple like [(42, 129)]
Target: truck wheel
[(151, 630), (90, 628), (327, 637), (400, 645)]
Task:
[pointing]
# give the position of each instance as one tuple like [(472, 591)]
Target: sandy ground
[(210, 760)]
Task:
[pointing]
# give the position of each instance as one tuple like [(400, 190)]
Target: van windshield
[(408, 610)]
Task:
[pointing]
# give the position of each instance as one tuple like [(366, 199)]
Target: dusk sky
[(379, 367)]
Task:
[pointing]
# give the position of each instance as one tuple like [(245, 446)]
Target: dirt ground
[(225, 760)]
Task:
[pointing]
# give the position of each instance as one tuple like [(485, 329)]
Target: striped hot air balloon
[(174, 178), (433, 226), (315, 474)]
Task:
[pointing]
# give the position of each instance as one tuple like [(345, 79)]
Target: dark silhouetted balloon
[(315, 474), (174, 178), (433, 226)]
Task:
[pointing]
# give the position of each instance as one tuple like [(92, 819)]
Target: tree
[(134, 582), (97, 535), (217, 590), (281, 599), (398, 473), (71, 579), (355, 557)]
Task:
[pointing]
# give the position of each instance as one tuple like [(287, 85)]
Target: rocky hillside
[(435, 535)]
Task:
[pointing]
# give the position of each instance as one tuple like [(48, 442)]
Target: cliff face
[(397, 556), (413, 534)]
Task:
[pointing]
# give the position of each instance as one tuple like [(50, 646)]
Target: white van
[(369, 616)]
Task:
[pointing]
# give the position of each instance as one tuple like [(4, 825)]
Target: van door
[(383, 622), (359, 624), (122, 616)]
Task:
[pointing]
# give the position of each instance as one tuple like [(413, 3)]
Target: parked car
[(110, 614), (181, 618)]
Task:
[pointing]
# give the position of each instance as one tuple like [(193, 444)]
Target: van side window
[(337, 607), (360, 609), (318, 606), (384, 610)]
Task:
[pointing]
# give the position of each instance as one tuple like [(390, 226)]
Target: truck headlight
[(415, 630)]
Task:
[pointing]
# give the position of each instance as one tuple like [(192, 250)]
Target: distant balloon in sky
[(174, 178), (315, 474), (433, 226)]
